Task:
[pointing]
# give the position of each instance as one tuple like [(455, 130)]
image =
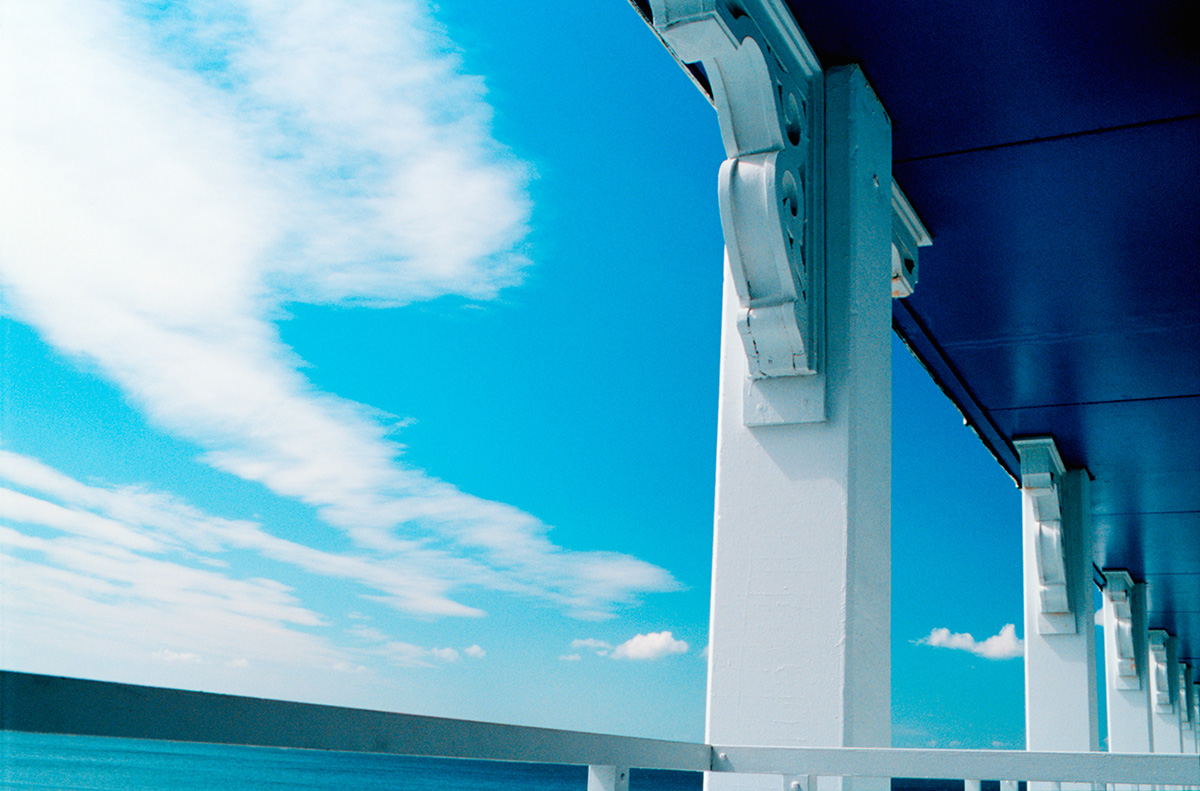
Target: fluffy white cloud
[(475, 652), (160, 216), (654, 645), (1004, 645)]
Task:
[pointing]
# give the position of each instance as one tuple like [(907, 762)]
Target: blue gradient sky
[(367, 354)]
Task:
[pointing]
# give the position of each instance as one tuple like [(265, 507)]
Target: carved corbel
[(1041, 480), (908, 235), (767, 91), (1118, 595), (1162, 668)]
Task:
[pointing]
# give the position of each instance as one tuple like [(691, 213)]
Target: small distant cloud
[(475, 652), (1004, 645), (444, 654), (239, 662), (167, 655), (347, 667), (655, 645), (704, 653), (599, 647)]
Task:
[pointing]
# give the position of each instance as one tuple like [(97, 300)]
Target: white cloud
[(654, 645), (159, 218), (1004, 645), (570, 657), (167, 655), (599, 647), (373, 642)]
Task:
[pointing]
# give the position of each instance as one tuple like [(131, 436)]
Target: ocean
[(52, 762), (41, 762)]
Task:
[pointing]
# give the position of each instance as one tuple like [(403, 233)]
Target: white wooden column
[(799, 649), (1060, 645), (1125, 657), (1193, 696), (608, 778), (1187, 710), (1164, 692)]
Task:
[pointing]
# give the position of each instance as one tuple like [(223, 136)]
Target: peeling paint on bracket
[(1041, 478), (767, 89)]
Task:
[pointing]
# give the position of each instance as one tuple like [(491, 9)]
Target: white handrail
[(51, 704), (1096, 767)]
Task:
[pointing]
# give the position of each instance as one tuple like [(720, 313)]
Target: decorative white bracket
[(1118, 593), (1041, 479), (908, 234), (767, 86), (1161, 671), (767, 93)]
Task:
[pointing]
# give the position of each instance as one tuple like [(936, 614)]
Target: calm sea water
[(40, 762)]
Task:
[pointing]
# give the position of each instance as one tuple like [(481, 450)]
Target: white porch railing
[(49, 704)]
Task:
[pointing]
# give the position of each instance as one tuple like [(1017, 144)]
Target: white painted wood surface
[(1125, 659), (1061, 711), (800, 633), (1166, 736), (608, 778)]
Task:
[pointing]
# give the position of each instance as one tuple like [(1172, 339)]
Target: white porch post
[(1193, 697), (1125, 657), (1164, 676), (1183, 702), (1060, 644), (799, 649)]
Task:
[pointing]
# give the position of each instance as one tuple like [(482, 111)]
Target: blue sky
[(366, 353)]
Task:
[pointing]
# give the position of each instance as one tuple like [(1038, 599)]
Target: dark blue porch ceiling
[(1053, 150)]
